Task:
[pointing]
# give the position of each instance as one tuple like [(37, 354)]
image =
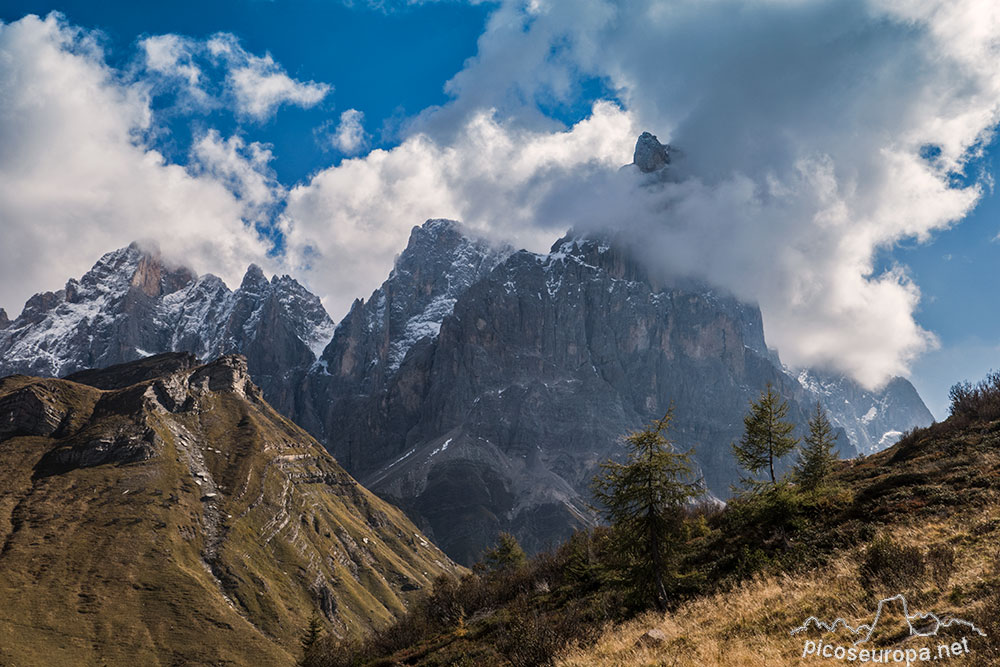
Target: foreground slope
[(171, 516), (886, 542), (936, 491)]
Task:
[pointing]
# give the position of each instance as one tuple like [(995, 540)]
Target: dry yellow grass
[(751, 624)]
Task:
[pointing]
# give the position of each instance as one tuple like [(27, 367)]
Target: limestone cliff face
[(498, 421), (400, 318), (184, 512)]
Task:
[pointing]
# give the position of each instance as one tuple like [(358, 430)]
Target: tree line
[(645, 497)]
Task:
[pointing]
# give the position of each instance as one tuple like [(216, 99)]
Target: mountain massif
[(889, 559), (499, 421), (478, 387), (161, 512)]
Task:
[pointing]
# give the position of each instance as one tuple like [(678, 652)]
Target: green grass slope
[(182, 521)]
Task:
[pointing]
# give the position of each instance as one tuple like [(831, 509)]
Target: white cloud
[(243, 168), (76, 180), (802, 125), (258, 84), (171, 55), (349, 137), (346, 225), (254, 86)]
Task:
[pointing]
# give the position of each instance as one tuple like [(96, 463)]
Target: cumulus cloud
[(345, 225), (259, 84), (349, 137), (171, 56), (815, 135), (254, 86), (76, 180)]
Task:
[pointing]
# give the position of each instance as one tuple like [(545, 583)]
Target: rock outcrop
[(650, 155)]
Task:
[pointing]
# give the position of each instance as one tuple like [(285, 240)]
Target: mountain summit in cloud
[(650, 155)]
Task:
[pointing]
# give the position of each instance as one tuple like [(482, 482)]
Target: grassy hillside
[(921, 519), (181, 520)]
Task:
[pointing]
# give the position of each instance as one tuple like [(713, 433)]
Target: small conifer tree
[(643, 499), (766, 436), (506, 555), (817, 454), (312, 634)]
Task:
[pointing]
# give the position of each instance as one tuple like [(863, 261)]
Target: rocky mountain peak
[(254, 279), (650, 155), (4, 320), (434, 238), (439, 263), (154, 278), (132, 303)]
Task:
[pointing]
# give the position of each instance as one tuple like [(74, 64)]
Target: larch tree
[(643, 499), (766, 435), (507, 554), (817, 453)]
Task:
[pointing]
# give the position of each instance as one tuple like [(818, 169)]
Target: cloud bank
[(815, 135)]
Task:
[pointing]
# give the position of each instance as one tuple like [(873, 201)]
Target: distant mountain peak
[(133, 303), (438, 225), (254, 278), (4, 320), (650, 155)]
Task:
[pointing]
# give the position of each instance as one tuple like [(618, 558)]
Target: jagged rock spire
[(650, 155)]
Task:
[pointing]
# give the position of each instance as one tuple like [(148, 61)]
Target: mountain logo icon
[(920, 624)]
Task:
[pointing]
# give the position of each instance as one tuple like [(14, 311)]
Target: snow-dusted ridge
[(441, 261), (873, 420), (133, 303)]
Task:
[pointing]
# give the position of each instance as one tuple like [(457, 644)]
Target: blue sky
[(388, 64), (733, 81)]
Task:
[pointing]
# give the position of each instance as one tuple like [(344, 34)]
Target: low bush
[(980, 401), (890, 566)]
